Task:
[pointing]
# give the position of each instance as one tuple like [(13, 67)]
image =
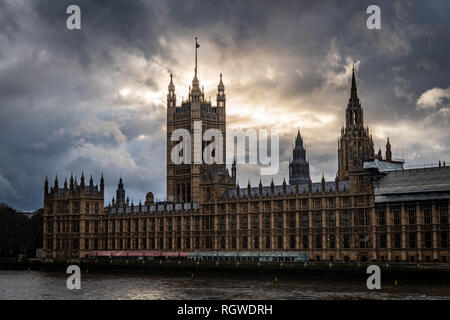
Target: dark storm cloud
[(93, 100)]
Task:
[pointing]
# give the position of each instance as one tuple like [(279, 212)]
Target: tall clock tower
[(355, 144)]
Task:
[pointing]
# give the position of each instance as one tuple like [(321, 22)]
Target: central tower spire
[(355, 145), (354, 94)]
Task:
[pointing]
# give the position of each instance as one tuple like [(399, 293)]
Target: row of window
[(360, 218), (359, 241), (412, 242), (411, 216)]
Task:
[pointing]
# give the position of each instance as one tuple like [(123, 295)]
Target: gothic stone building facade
[(373, 211)]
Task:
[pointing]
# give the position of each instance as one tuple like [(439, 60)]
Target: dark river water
[(51, 285)]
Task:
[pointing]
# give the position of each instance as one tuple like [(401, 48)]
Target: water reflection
[(43, 285)]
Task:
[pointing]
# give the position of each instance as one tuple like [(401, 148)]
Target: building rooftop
[(413, 184), (330, 186), (383, 166)]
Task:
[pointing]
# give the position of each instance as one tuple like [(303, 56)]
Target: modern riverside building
[(375, 210)]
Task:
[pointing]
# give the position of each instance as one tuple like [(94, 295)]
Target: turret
[(149, 200), (56, 188), (233, 168), (388, 151), (221, 98), (71, 182), (120, 193), (171, 97)]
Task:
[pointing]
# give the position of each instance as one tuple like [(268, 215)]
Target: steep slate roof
[(413, 184), (290, 189), (383, 166)]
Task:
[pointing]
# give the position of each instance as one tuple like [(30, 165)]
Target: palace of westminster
[(374, 210)]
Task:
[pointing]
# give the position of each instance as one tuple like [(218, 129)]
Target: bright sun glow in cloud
[(124, 92)]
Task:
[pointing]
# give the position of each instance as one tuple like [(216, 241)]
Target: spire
[(354, 94), (299, 166), (298, 140), (353, 78), (82, 179), (102, 183)]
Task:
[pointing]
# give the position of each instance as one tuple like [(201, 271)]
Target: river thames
[(52, 285)]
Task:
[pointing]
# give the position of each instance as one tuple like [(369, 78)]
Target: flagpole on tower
[(196, 47)]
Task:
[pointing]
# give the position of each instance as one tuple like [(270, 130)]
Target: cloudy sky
[(93, 100)]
